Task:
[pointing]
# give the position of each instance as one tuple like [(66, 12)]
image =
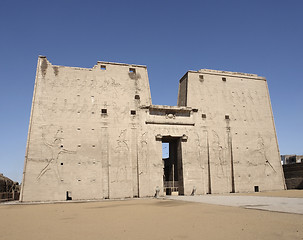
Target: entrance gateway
[(94, 133), (173, 166)]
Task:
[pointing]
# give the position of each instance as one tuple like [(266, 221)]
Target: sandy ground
[(144, 219)]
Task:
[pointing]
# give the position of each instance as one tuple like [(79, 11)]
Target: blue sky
[(170, 37)]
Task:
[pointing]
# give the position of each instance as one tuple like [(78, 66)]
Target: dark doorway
[(173, 167), (68, 196)]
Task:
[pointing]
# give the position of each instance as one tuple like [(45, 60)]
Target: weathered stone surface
[(9, 190), (95, 134), (293, 175)]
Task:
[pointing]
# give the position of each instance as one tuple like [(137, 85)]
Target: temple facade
[(95, 134)]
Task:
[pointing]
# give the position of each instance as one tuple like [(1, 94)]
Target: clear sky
[(169, 36)]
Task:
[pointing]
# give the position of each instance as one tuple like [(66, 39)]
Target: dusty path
[(144, 219), (290, 201), (276, 204), (288, 194)]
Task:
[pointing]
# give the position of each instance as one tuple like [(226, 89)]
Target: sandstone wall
[(94, 134)]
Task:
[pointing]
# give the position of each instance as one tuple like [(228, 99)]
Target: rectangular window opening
[(103, 67), (137, 96), (104, 111), (256, 188), (203, 115), (224, 79), (133, 112), (226, 116), (132, 70), (201, 77)]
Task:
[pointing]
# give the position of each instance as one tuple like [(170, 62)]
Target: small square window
[(226, 116), (203, 115), (61, 146), (224, 79), (133, 112), (137, 96), (103, 67), (62, 163), (93, 146), (132, 70), (79, 145), (104, 111), (201, 77), (195, 110)]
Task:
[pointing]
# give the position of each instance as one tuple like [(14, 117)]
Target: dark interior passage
[(173, 169)]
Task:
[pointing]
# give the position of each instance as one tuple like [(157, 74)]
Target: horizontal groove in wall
[(170, 123)]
